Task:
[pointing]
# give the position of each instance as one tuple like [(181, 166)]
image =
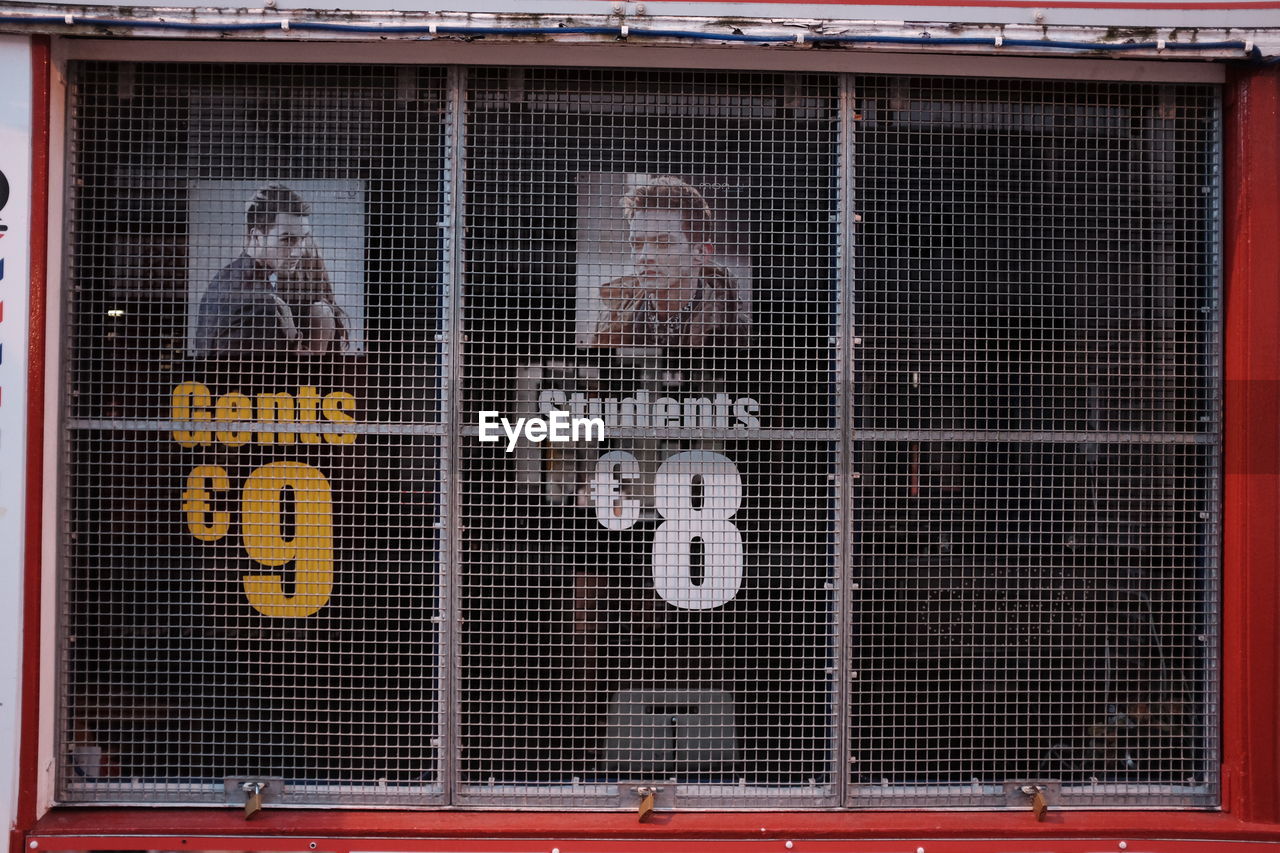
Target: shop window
[(527, 437)]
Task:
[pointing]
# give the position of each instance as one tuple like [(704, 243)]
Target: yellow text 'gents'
[(193, 401)]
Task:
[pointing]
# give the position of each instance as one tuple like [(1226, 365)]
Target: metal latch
[(252, 798), (1035, 793), (652, 795), (646, 793), (253, 792), (1039, 805)]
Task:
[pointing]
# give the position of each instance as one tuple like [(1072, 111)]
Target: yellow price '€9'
[(262, 530), (310, 549)]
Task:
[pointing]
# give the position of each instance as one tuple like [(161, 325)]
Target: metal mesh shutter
[(176, 677), (1037, 436), (907, 493), (576, 666)]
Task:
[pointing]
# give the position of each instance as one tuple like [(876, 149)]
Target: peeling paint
[(146, 22), (1128, 33)]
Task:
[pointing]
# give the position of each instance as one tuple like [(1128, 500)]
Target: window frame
[(1250, 687)]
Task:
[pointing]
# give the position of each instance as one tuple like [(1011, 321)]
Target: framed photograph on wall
[(276, 268)]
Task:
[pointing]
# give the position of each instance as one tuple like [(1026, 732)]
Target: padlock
[(253, 799)]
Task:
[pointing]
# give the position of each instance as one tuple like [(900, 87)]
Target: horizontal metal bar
[(132, 425), (798, 792), (1035, 436), (704, 434), (970, 435)]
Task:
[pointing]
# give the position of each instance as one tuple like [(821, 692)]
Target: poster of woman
[(276, 269)]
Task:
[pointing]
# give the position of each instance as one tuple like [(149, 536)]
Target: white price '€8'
[(696, 493)]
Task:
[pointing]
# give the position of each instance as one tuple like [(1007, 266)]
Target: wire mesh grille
[(254, 425), (641, 275), (890, 450), (1036, 432)]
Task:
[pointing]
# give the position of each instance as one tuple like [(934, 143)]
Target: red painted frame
[(773, 843), (1251, 509), (29, 712), (1250, 639)]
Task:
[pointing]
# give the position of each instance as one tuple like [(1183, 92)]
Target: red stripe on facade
[(763, 845), (334, 831), (1251, 510)]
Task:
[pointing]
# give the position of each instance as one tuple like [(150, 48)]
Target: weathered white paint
[(15, 249), (1131, 13), (925, 29)]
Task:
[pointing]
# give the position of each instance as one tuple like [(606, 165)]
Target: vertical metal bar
[(844, 425), (1212, 601), (450, 514), (66, 309), (1160, 147)]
